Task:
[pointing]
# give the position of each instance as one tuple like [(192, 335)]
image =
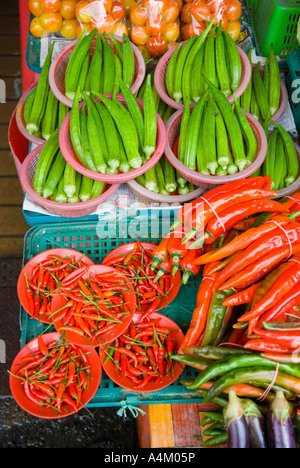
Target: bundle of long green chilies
[(56, 180), (241, 422)]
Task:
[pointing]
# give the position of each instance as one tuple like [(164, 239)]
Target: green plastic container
[(293, 85), (275, 22), (96, 240)]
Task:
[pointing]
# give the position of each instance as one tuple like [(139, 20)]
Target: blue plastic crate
[(293, 84), (96, 240)]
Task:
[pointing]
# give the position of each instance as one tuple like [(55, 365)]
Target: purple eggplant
[(235, 422), (256, 424), (280, 427)]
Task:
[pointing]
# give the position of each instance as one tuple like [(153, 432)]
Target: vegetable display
[(203, 58), (97, 62)]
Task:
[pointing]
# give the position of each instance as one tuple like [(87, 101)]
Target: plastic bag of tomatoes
[(196, 14), (108, 16), (53, 17), (155, 25)]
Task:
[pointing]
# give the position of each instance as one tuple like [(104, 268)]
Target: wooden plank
[(11, 192), (10, 7), (11, 66), (13, 223), (11, 47), (6, 112), (186, 423), (161, 426), (13, 87), (11, 247), (9, 24), (9, 168), (4, 137)]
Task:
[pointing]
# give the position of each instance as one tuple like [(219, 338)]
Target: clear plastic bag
[(155, 25), (108, 16), (53, 18), (196, 14)]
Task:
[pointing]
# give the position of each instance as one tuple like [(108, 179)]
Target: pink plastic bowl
[(161, 71), (68, 210), (205, 181), (70, 156), (20, 118), (59, 65), (146, 196)]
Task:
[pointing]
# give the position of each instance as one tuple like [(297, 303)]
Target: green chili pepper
[(217, 440), (213, 352)]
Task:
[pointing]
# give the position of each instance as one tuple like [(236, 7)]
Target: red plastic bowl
[(205, 181), (29, 267), (32, 408), (70, 156), (60, 301), (68, 210), (20, 118), (59, 65), (110, 368), (125, 250), (161, 71)]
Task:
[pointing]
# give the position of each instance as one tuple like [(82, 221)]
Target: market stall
[(156, 145)]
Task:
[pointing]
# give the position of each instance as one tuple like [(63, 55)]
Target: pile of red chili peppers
[(45, 281), (56, 375), (143, 353)]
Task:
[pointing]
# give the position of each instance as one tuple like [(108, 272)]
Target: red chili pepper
[(153, 308), (289, 339), (265, 346), (177, 250), (289, 300), (42, 346), (29, 394), (160, 253), (242, 297), (118, 259), (188, 267), (164, 268), (145, 381), (46, 389)]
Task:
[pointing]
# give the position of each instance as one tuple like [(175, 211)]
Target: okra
[(160, 177), (260, 93), (84, 72), (109, 68), (248, 134), (94, 142), (85, 140), (171, 70), (117, 45), (201, 156), (234, 61), (177, 85), (188, 69), (71, 61), (54, 176), (193, 133), (223, 150), (28, 106), (170, 174), (41, 94), (124, 164), (96, 67), (85, 188), (292, 158), (49, 121), (209, 140), (150, 121), (209, 66), (150, 180), (197, 82), (269, 164), (184, 128), (254, 108), (274, 89), (281, 165), (75, 198), (60, 195), (247, 94), (63, 111), (221, 66), (232, 125), (128, 62), (45, 160), (135, 112), (75, 130), (128, 137), (69, 179), (97, 189)]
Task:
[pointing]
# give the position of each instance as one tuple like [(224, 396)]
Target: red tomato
[(139, 35), (83, 12), (200, 10), (171, 32), (50, 6), (154, 26), (234, 29), (185, 15), (69, 28), (120, 29), (171, 12), (138, 15), (36, 28), (68, 9), (157, 46), (234, 10), (117, 10), (35, 7), (52, 22)]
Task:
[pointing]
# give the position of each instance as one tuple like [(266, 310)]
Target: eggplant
[(235, 423), (256, 423), (280, 427)]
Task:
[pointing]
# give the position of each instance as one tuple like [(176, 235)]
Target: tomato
[(185, 14), (117, 10), (35, 7), (52, 22), (50, 6), (81, 28), (218, 17), (36, 28), (68, 9), (200, 11), (139, 35), (106, 24), (120, 29), (234, 29), (69, 28), (217, 5), (171, 12), (157, 46), (83, 12), (194, 29), (138, 15), (234, 10), (154, 26), (171, 32)]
